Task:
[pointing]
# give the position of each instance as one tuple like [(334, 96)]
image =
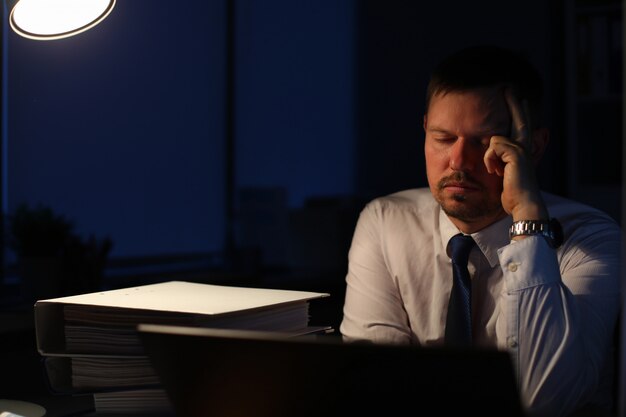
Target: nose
[(462, 155)]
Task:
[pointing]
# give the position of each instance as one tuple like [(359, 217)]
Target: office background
[(123, 130)]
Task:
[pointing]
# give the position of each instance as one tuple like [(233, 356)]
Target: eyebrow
[(438, 130), (486, 131)]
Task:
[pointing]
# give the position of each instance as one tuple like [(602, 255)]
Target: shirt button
[(512, 342), (512, 267)]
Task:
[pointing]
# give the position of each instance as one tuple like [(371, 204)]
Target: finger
[(520, 128), (493, 163), (493, 157), (490, 159)]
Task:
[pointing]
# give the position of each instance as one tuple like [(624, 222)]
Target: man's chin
[(466, 210), (465, 214)]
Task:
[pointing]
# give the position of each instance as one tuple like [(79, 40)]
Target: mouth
[(459, 187)]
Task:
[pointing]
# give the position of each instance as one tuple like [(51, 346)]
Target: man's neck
[(476, 225)]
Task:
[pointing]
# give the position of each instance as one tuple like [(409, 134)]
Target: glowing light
[(56, 19)]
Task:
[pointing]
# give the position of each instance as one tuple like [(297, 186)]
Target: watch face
[(557, 232)]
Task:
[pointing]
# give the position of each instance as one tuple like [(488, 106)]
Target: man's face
[(458, 127)]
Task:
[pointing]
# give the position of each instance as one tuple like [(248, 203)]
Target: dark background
[(128, 132), (124, 129)]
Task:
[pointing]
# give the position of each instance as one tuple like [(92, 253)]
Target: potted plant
[(38, 232), (52, 260), (38, 236)]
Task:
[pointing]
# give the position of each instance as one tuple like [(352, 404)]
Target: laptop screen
[(215, 372)]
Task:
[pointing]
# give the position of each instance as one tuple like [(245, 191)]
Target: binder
[(90, 342), (105, 323), (85, 374)]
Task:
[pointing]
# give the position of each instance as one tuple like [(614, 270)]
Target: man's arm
[(513, 159), (372, 296), (558, 313), (558, 320)]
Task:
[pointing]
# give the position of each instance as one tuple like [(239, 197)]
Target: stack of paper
[(142, 401), (91, 345)]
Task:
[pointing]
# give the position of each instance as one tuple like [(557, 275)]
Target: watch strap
[(550, 229)]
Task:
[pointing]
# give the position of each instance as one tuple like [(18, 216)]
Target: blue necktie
[(459, 320)]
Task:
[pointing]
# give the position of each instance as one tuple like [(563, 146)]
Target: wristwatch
[(550, 229)]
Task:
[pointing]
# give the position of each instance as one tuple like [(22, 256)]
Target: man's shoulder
[(574, 215), (562, 207)]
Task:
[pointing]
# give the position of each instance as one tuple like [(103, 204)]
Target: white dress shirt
[(554, 310)]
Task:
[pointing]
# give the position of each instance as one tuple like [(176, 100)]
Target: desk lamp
[(46, 20)]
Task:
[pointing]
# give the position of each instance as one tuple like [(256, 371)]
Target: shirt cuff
[(528, 263)]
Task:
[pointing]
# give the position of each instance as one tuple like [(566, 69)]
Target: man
[(552, 300)]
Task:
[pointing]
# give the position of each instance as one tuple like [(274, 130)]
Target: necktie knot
[(460, 248)]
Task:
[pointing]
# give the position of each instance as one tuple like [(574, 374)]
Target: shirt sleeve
[(559, 315), (373, 309)]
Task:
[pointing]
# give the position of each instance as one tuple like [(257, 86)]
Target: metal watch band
[(549, 229)]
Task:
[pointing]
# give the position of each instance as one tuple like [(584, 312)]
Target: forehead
[(479, 108)]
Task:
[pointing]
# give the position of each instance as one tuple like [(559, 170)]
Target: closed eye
[(444, 139)]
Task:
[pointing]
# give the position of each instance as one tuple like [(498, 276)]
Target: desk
[(22, 375)]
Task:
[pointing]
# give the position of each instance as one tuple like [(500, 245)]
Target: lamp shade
[(56, 19)]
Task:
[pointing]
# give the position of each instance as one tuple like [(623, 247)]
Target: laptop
[(217, 372)]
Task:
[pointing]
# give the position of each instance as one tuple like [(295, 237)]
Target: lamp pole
[(229, 151), (3, 133)]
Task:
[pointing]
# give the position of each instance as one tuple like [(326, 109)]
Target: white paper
[(189, 297)]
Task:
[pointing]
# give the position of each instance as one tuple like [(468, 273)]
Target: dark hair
[(488, 66)]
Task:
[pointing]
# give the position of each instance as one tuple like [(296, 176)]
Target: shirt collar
[(489, 239)]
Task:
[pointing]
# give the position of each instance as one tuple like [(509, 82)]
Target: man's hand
[(511, 159)]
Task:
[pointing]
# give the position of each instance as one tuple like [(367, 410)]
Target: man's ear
[(540, 140)]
